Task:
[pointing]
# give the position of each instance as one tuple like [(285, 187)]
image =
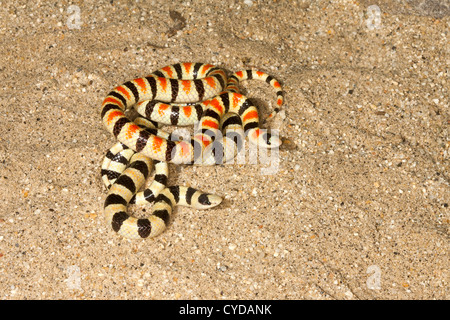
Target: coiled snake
[(178, 94)]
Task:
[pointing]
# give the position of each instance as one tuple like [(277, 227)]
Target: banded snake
[(178, 94)]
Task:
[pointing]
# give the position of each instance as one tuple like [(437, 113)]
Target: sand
[(356, 209)]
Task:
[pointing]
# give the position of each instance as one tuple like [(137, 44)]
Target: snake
[(179, 94)]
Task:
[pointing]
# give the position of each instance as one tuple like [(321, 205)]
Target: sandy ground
[(357, 209)]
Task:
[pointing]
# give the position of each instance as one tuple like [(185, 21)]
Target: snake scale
[(178, 94)]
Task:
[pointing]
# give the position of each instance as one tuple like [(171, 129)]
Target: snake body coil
[(179, 94)]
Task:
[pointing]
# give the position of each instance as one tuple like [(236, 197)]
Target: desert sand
[(357, 207)]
